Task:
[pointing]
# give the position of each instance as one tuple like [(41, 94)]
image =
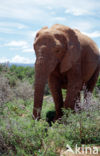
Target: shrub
[(3, 67), (6, 93), (98, 83), (47, 90), (12, 79), (23, 90), (23, 73), (21, 135)]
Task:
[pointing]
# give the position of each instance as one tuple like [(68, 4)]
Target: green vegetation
[(20, 135), (21, 73)]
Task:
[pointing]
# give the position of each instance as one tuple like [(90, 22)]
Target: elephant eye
[(57, 51)]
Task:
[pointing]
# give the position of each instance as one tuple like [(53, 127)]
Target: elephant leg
[(91, 83), (73, 94), (55, 87), (78, 100), (74, 87)]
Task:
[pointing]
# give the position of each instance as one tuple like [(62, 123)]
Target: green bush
[(12, 80), (1, 67), (22, 72), (47, 90)]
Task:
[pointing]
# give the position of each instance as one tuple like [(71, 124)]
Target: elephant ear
[(72, 53), (39, 32)]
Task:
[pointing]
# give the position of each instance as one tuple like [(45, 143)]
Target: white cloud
[(28, 50), (13, 25), (94, 34), (83, 26), (6, 30), (18, 59), (21, 26), (22, 44), (35, 9), (32, 34), (1, 39), (77, 11), (60, 18), (3, 60), (26, 9), (33, 14), (12, 30), (57, 20), (40, 12)]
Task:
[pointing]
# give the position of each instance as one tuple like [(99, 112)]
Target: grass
[(20, 135)]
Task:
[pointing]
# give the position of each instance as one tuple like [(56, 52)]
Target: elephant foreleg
[(55, 88)]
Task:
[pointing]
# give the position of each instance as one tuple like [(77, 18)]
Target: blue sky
[(21, 19)]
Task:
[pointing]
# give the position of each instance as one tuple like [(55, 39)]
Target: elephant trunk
[(40, 81)]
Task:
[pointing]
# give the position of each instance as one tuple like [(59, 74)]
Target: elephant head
[(52, 47)]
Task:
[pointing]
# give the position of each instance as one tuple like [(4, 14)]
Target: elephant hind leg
[(92, 82), (55, 88)]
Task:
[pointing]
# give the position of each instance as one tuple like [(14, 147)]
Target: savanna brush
[(67, 59)]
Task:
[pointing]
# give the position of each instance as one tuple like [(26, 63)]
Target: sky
[(21, 19)]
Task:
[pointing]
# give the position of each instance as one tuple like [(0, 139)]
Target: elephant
[(66, 59)]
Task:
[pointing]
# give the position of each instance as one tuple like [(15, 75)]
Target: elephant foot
[(51, 116), (36, 113), (35, 117), (57, 117)]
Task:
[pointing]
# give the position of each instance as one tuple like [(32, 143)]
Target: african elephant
[(67, 59)]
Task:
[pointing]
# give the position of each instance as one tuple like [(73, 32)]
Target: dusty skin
[(67, 59)]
